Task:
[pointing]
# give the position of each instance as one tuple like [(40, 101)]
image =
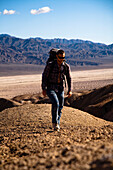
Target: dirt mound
[(27, 140), (6, 103), (33, 99), (28, 98), (99, 102)]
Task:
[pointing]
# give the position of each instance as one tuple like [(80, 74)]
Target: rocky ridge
[(98, 102), (35, 51)]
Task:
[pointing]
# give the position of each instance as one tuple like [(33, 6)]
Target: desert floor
[(11, 86)]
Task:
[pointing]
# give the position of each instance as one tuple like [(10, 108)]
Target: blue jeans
[(57, 99)]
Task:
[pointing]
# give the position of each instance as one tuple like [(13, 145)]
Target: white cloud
[(34, 11), (40, 10), (10, 12), (0, 12)]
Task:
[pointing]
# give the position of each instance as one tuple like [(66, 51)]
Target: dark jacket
[(50, 76)]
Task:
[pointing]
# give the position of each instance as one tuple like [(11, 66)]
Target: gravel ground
[(27, 140)]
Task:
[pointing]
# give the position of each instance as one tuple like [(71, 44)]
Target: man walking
[(53, 80)]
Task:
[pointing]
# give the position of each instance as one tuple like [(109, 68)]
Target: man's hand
[(44, 93), (69, 94)]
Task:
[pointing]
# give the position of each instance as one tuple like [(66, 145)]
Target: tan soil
[(28, 142)]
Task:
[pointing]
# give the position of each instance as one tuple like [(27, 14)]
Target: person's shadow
[(50, 131)]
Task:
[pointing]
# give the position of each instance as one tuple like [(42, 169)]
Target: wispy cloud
[(10, 12), (0, 12), (40, 10)]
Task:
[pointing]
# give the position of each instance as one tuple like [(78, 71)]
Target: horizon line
[(55, 38)]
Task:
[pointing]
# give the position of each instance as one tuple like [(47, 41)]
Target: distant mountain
[(35, 51)]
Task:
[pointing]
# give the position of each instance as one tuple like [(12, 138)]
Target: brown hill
[(98, 102), (28, 142)]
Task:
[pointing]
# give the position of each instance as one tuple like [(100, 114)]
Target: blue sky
[(71, 19)]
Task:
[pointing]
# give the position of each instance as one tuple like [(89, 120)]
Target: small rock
[(22, 163), (69, 159), (64, 151), (42, 161)]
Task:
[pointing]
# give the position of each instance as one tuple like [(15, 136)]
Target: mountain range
[(36, 51)]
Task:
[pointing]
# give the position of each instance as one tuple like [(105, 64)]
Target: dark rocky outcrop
[(99, 102), (6, 103)]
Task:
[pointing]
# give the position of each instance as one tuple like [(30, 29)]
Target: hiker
[(54, 77)]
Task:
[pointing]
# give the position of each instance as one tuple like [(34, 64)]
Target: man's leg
[(61, 103), (55, 105)]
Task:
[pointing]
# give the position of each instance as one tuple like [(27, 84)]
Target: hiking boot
[(56, 127)]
